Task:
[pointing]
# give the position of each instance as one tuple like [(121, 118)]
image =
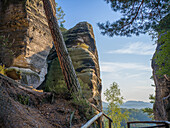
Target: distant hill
[(136, 105), (134, 109), (104, 104), (132, 104)]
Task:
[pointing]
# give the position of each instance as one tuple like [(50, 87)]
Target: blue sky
[(123, 60)]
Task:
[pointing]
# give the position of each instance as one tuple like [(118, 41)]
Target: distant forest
[(134, 115)]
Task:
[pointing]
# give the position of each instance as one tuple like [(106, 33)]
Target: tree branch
[(135, 15)]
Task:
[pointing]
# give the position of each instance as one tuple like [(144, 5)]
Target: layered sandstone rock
[(81, 46), (24, 23)]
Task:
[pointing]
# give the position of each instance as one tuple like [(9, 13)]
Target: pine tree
[(138, 17), (60, 15), (66, 65)]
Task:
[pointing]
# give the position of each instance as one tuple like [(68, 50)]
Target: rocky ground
[(23, 107)]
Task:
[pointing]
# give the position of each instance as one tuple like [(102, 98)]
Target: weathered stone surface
[(81, 46), (23, 107), (15, 114), (162, 94), (161, 77), (24, 23)]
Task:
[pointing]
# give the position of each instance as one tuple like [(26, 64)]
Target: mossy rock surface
[(81, 46)]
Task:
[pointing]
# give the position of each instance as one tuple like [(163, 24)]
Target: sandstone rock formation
[(27, 42), (162, 97), (24, 23), (160, 65), (81, 46)]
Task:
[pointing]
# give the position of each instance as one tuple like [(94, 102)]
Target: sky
[(124, 60)]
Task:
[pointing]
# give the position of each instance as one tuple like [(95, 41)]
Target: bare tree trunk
[(65, 61)]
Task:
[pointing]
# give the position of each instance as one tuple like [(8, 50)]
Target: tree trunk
[(65, 61)]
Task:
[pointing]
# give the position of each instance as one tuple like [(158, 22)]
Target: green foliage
[(23, 99), (135, 115), (2, 70), (162, 57), (55, 83), (152, 98), (113, 96), (82, 103), (138, 17), (164, 24), (55, 80), (149, 111), (60, 16), (60, 88), (86, 91)]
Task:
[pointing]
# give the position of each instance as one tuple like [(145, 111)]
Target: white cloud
[(132, 78), (138, 48), (117, 66), (129, 76), (143, 87)]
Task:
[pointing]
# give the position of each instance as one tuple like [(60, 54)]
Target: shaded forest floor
[(21, 106)]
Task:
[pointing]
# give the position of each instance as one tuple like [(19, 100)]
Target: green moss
[(86, 91), (82, 103), (162, 56), (55, 80), (83, 106), (23, 99)]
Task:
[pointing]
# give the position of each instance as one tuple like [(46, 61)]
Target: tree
[(149, 111), (66, 65), (113, 96), (138, 17), (60, 15)]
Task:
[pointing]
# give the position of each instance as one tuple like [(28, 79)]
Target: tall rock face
[(160, 65), (162, 93), (81, 46), (24, 24)]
